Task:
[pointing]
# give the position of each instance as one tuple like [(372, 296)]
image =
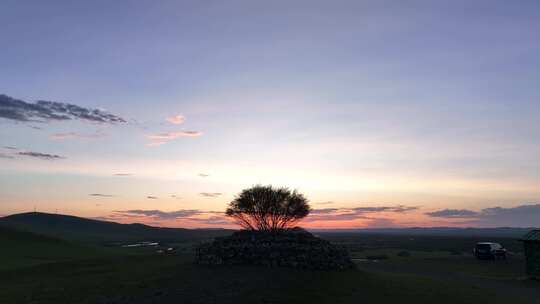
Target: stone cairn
[(295, 248)]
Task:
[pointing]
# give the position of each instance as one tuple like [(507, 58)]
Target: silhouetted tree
[(268, 209)]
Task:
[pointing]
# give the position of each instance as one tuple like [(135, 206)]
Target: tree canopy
[(267, 208)]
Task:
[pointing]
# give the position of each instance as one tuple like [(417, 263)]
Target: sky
[(382, 113)]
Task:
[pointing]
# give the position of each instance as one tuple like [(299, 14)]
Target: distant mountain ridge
[(96, 231)]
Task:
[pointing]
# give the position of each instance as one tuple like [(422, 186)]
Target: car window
[(483, 246)]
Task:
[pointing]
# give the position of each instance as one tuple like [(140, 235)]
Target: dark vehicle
[(488, 250)]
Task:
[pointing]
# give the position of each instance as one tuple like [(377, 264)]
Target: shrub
[(266, 208)]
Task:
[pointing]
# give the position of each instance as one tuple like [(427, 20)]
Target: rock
[(295, 248)]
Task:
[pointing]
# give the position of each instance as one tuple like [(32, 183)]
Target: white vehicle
[(488, 250)]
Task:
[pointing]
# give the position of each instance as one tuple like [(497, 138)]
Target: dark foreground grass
[(175, 279), (426, 243), (21, 249), (42, 269)]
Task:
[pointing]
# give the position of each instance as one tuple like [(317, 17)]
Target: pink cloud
[(161, 138), (178, 218), (176, 120), (365, 216), (70, 135)]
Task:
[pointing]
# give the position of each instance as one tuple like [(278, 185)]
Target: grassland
[(175, 279), (22, 249), (43, 269)]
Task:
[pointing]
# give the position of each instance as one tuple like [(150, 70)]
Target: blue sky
[(357, 103)]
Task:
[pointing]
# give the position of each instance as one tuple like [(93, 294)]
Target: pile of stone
[(294, 248)]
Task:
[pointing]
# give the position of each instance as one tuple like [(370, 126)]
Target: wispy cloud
[(158, 214), (11, 152), (398, 209), (196, 216), (204, 175), (210, 194), (325, 203), (177, 119), (123, 174), (325, 211), (100, 195), (44, 156), (162, 138), (2, 155), (71, 135), (45, 111), (350, 214), (213, 220), (527, 215), (453, 213), (151, 197), (187, 215)]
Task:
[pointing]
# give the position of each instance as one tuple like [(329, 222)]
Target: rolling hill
[(101, 232), (21, 248)]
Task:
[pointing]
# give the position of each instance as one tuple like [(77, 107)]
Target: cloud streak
[(3, 155), (162, 138), (71, 135), (210, 194), (397, 209), (13, 152), (46, 111), (351, 214), (453, 213), (44, 156), (194, 216), (122, 174), (100, 195), (325, 203), (176, 120), (158, 214)]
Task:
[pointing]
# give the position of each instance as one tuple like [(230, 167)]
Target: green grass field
[(175, 279), (44, 269)]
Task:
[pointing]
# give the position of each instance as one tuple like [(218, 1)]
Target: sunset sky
[(383, 113)]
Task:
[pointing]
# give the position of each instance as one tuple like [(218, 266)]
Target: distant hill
[(102, 232)]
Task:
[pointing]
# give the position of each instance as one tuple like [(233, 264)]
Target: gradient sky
[(383, 113)]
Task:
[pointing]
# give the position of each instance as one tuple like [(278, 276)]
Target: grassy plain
[(436, 269)]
